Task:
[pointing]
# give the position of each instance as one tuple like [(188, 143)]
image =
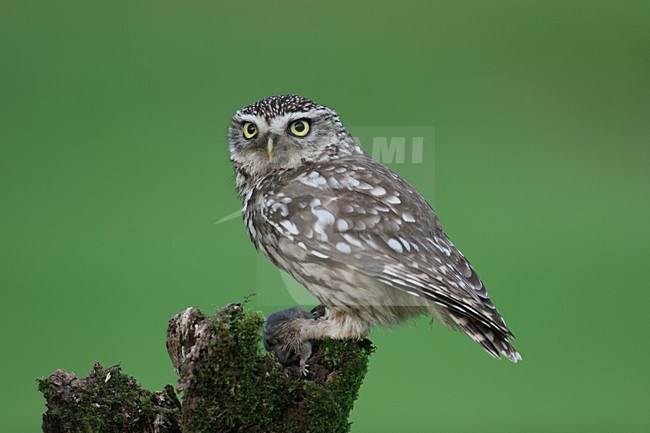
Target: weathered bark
[(107, 401), (228, 384)]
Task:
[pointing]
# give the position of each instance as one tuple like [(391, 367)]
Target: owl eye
[(250, 130), (299, 128)]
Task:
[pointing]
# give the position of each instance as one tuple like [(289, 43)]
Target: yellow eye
[(250, 130), (299, 128)]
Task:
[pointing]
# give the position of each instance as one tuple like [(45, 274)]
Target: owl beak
[(269, 149)]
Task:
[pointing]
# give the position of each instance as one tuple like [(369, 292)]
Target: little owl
[(355, 234)]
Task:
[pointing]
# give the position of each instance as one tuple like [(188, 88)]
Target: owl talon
[(282, 337), (304, 367)]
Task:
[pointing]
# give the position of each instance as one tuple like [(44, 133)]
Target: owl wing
[(358, 214)]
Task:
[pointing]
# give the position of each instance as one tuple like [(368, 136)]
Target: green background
[(114, 168)]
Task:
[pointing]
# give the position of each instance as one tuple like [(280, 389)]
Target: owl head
[(285, 132)]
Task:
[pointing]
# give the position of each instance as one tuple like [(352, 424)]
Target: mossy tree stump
[(227, 381)]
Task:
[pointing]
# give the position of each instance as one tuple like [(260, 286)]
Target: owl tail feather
[(492, 342)]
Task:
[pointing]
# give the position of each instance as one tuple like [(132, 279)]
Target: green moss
[(238, 387), (330, 405)]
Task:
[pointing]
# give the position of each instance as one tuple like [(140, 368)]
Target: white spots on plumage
[(413, 293), (395, 245), (352, 240), (392, 199), (364, 186), (333, 182), (378, 191), (291, 227), (350, 181), (324, 219), (405, 243), (443, 249), (321, 255), (408, 217), (302, 245), (279, 207), (342, 225), (373, 219), (314, 179), (343, 247)]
